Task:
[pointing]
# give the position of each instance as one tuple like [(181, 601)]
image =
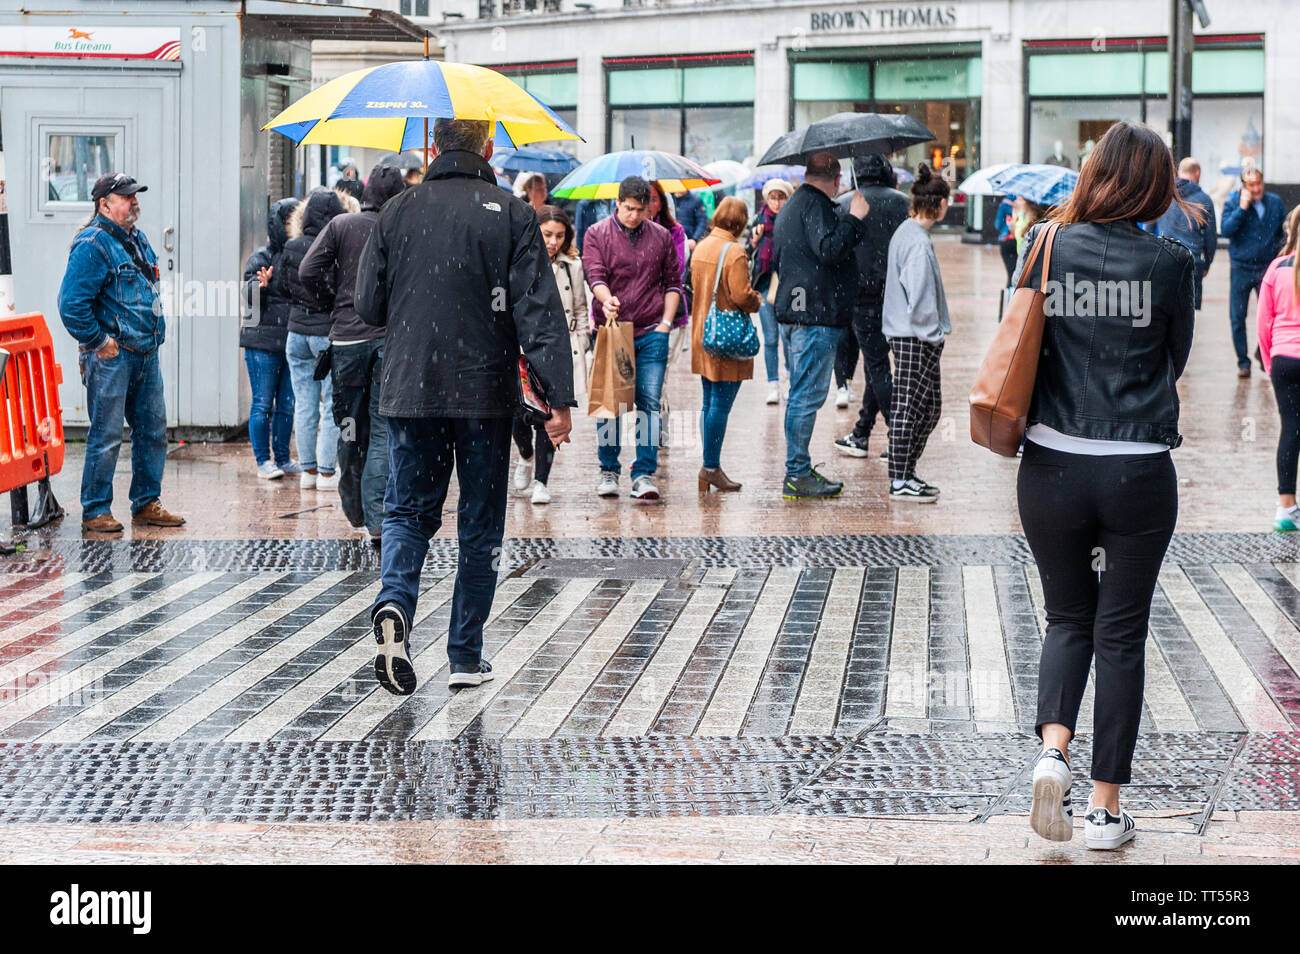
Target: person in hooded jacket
[(329, 273), (262, 334), (878, 184), (309, 328)]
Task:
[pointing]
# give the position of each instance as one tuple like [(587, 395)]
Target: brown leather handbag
[(1004, 386)]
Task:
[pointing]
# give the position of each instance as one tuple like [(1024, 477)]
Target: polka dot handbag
[(728, 334)]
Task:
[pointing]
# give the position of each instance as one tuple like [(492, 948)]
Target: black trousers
[(357, 371), (1286, 383), (879, 388), (846, 358), (1098, 528), (1009, 257), (534, 444)]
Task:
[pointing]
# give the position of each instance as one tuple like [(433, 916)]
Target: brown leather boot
[(104, 523), (153, 515), (717, 479)]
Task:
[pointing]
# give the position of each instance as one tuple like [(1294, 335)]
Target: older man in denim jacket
[(109, 302)]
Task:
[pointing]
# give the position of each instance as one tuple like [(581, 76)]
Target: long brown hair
[(553, 213), (664, 218), (1128, 177)]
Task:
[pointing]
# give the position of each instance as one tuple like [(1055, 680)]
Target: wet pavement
[(709, 678)]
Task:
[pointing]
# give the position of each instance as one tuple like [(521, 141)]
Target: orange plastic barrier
[(31, 417)]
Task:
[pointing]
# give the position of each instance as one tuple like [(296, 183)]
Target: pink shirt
[(1279, 312)]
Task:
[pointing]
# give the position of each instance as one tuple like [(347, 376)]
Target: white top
[(1044, 436)]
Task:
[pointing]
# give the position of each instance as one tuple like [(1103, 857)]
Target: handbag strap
[(1045, 239), (717, 276)]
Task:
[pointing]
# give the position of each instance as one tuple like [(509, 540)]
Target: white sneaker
[(540, 494), (1103, 831), (307, 481), (774, 395), (523, 474), (268, 471), (1285, 520), (643, 488), (843, 396), (327, 481), (1051, 815), (608, 486)]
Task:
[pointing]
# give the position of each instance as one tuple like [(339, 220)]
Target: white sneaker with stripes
[(1104, 831), (1051, 815)]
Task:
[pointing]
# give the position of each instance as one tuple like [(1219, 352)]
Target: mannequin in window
[(1088, 147), (1057, 158)]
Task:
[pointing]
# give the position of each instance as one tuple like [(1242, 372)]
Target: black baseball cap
[(115, 183)]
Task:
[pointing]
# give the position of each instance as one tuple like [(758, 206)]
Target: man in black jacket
[(457, 271), (329, 273), (817, 283), (877, 183)]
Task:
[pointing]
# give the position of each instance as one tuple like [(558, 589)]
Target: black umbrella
[(401, 160), (848, 134)]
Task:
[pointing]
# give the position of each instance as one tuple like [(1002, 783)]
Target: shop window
[(1225, 130), (646, 129), (719, 132), (70, 164), (1063, 131)]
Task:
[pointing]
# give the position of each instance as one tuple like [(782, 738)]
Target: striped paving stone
[(811, 651)]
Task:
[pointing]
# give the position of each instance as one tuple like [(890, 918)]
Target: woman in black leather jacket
[(1097, 490)]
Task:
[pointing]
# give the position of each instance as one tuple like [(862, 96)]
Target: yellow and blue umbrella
[(392, 107), (599, 178)]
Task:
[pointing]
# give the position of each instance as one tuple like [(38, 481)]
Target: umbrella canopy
[(393, 107), (728, 171), (977, 183), (400, 160), (1043, 184), (903, 175), (536, 159), (848, 134), (763, 175), (599, 178)]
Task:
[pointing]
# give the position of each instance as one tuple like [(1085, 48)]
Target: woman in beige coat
[(720, 377), (535, 449)]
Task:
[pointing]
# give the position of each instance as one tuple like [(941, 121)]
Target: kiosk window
[(72, 163)]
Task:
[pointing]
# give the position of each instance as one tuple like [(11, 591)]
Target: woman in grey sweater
[(915, 322)]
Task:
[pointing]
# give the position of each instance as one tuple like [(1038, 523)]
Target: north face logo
[(492, 206)]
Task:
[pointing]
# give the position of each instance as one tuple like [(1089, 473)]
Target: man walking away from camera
[(457, 272)]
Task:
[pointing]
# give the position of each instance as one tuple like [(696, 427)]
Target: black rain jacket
[(457, 271)]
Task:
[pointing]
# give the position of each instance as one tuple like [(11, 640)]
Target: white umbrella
[(728, 170), (977, 183)]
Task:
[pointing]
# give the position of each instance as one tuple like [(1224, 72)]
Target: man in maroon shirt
[(632, 268)]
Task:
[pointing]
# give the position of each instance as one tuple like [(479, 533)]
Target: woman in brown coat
[(720, 377)]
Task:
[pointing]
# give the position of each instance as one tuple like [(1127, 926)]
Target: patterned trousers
[(915, 404)]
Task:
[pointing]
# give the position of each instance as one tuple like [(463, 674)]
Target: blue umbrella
[(760, 178), (537, 159), (1041, 184)]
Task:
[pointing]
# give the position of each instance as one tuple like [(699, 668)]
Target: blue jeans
[(718, 398), (356, 372), (318, 436), (421, 452), (125, 387), (270, 418), (1242, 281), (810, 351), (771, 334), (651, 362)]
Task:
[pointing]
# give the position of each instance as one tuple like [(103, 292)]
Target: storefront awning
[(319, 21)]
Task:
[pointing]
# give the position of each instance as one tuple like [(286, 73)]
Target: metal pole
[(1180, 78), (426, 118)]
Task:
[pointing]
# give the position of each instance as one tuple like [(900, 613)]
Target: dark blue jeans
[(651, 363), (421, 455), (126, 387), (1242, 282), (718, 398), (270, 416), (357, 370)]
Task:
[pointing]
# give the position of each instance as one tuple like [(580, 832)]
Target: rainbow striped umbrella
[(392, 107), (599, 178)]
